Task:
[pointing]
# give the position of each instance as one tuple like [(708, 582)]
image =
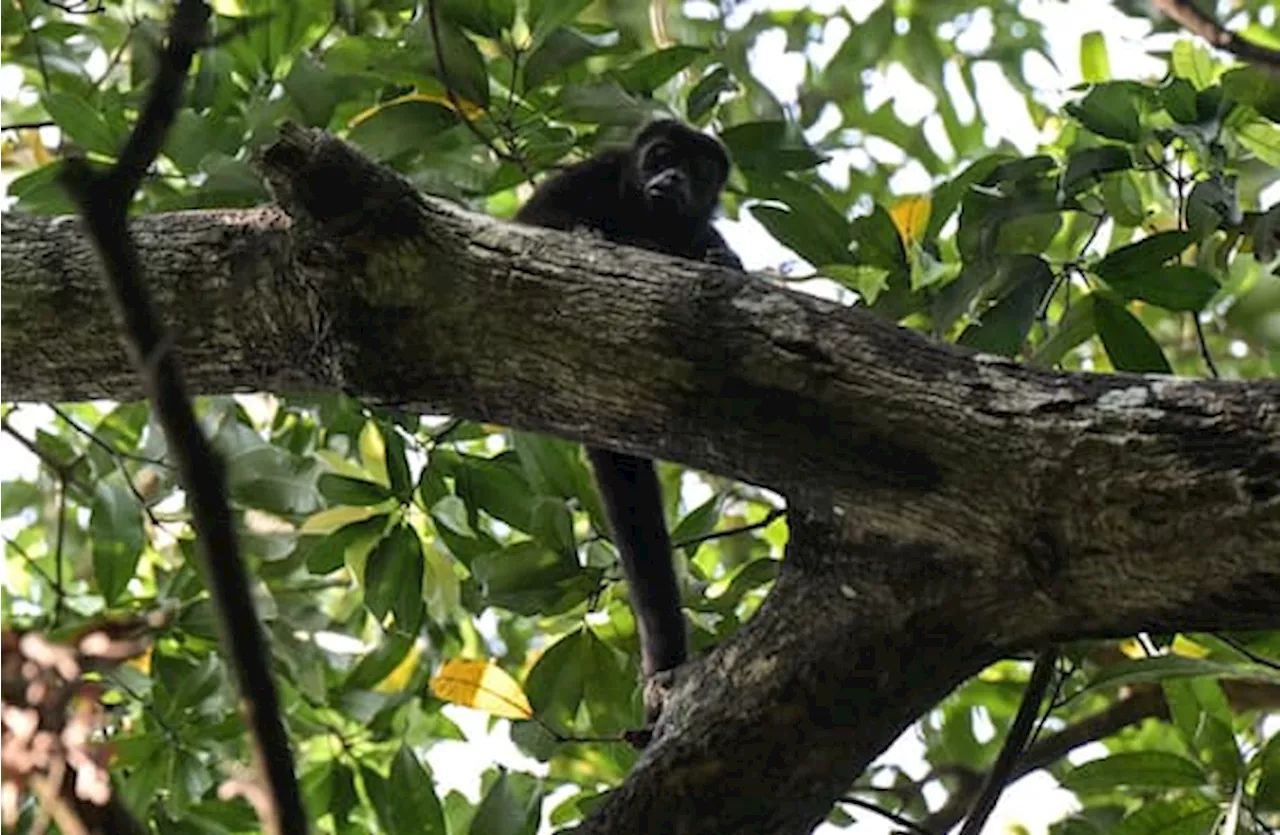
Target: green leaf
[(1212, 202), (1179, 98), (1173, 288), (484, 17), (1255, 87), (1003, 329), (1095, 66), (1263, 139), (1190, 814), (115, 523), (1128, 344), (81, 121), (1156, 670), (401, 127), (1139, 769), (796, 232), (530, 579), (1123, 199), (1073, 328), (1266, 797), (553, 466), (270, 478), (17, 496), (545, 15), (1109, 110), (512, 806), (698, 522), (411, 806), (497, 487), (1194, 63), (313, 89), (1086, 167), (451, 512), (705, 95), (393, 578), (463, 64), (772, 146), (329, 552), (556, 683), (562, 49), (344, 490), (1143, 256), (653, 70), (397, 462), (375, 666), (948, 196), (877, 243), (40, 191), (603, 104)]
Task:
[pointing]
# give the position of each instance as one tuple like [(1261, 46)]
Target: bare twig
[(906, 823), (768, 520), (104, 199), (116, 457), (1204, 346), (61, 471), (1019, 732), (40, 123), (1248, 653)]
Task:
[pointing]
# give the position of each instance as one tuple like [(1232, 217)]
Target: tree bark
[(946, 508)]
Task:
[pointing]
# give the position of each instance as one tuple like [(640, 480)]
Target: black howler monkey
[(659, 193)]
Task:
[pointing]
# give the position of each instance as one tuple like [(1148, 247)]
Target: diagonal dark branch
[(1144, 703), (1019, 733), (104, 199)]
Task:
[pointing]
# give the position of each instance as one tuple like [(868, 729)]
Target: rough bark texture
[(947, 508)]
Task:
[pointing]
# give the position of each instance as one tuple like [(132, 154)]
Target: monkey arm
[(719, 253)]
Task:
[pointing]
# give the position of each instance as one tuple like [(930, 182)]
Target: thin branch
[(768, 520), (62, 472), (433, 18), (1248, 653), (1204, 346), (115, 457), (31, 561), (39, 123), (905, 823), (1144, 703), (1191, 18), (104, 200), (44, 70), (59, 536), (1019, 732)]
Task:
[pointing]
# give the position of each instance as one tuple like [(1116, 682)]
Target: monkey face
[(679, 171)]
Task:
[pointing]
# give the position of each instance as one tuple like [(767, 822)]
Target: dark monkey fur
[(659, 194)]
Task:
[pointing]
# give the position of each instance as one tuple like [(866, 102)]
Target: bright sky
[(1034, 802)]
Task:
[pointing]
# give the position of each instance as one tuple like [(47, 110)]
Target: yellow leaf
[(328, 521), (373, 453), (1188, 648), (396, 680), (469, 109), (1132, 649), (141, 663), (482, 685), (911, 217)]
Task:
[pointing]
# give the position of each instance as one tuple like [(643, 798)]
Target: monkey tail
[(633, 501)]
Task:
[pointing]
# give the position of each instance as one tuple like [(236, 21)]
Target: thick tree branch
[(946, 508)]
